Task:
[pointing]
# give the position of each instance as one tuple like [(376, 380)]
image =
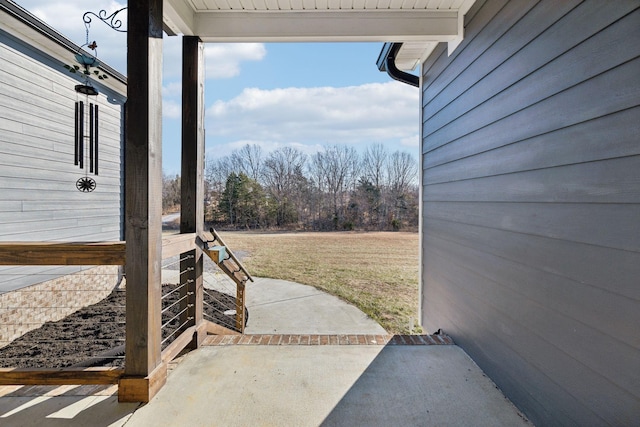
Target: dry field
[(377, 272)]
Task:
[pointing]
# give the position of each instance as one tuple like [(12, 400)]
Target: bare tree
[(170, 193), (374, 164), (248, 160), (216, 172), (339, 167), (283, 176), (317, 181), (403, 174), (402, 170), (336, 189)]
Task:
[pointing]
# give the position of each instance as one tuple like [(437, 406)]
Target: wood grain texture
[(216, 329), (235, 259), (83, 253), (192, 166), (55, 253), (62, 376), (192, 179), (142, 389), (179, 344), (143, 195), (177, 244)]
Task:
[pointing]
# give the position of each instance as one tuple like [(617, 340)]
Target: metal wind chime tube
[(89, 119), (86, 119), (76, 160), (93, 138), (80, 136)]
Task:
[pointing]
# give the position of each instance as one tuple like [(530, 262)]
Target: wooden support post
[(192, 182), (144, 371), (240, 307)]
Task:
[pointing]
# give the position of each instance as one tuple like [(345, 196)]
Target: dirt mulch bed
[(94, 335)]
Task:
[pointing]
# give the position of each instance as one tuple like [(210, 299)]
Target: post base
[(142, 389)]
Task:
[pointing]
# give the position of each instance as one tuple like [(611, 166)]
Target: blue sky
[(274, 95)]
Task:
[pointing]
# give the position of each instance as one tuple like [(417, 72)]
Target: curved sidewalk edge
[(283, 307)]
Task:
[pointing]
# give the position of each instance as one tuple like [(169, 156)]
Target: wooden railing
[(84, 253), (61, 376), (62, 253), (88, 253), (225, 259)]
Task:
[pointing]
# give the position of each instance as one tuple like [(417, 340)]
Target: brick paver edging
[(264, 339)]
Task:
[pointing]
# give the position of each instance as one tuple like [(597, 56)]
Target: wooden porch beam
[(192, 161), (192, 182), (144, 374)]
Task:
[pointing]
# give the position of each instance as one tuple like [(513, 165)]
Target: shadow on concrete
[(65, 409), (303, 385), (423, 386)]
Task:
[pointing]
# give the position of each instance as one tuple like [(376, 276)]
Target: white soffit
[(419, 24)]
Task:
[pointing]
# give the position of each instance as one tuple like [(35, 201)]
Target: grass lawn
[(377, 271)]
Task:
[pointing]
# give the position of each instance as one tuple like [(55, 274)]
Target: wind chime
[(86, 143), (86, 116)]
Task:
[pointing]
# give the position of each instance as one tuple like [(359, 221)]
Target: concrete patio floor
[(288, 385)]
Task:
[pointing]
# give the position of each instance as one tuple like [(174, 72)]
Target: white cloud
[(411, 141), (68, 14), (222, 61), (172, 89), (171, 109), (356, 114)]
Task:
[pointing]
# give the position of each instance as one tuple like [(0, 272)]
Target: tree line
[(334, 189)]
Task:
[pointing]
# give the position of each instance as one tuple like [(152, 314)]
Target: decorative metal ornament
[(86, 89), (86, 184), (111, 20), (86, 135), (86, 116)]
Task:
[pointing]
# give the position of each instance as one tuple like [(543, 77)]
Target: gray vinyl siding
[(38, 197), (531, 214)]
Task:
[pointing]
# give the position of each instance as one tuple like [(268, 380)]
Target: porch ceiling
[(419, 24)]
